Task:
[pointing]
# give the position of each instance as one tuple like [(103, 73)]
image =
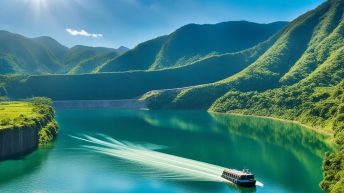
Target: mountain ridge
[(192, 42), (300, 78), (43, 55)]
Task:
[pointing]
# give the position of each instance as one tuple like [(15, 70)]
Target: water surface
[(283, 156)]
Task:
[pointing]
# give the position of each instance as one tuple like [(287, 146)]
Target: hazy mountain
[(44, 55), (139, 58), (91, 65), (80, 53), (52, 45), (191, 43), (19, 54), (122, 49)]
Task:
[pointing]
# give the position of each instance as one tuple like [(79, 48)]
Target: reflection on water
[(274, 131), (13, 169), (285, 157)]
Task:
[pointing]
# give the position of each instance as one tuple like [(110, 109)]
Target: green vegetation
[(111, 85), (91, 65), (44, 55), (79, 54), (36, 111), (139, 58), (296, 74), (298, 78), (192, 43)]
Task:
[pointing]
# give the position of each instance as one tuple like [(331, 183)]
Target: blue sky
[(113, 23)]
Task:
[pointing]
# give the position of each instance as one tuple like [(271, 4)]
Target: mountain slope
[(90, 65), (196, 41), (301, 78), (52, 45), (44, 55), (79, 53), (139, 58), (267, 71), (192, 43), (123, 85), (19, 54)]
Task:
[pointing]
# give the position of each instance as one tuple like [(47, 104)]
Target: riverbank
[(24, 126)]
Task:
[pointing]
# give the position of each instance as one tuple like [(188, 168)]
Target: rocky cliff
[(20, 140)]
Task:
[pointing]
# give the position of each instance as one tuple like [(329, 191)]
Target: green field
[(36, 113), (13, 112)]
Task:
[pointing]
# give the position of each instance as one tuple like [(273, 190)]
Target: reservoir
[(111, 150)]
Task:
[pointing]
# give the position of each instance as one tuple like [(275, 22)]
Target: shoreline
[(94, 104), (319, 131)]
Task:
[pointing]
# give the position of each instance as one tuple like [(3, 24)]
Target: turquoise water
[(167, 151)]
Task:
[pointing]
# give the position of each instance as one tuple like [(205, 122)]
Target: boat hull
[(247, 184), (243, 183)]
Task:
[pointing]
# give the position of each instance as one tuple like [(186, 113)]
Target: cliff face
[(18, 141), (21, 140)]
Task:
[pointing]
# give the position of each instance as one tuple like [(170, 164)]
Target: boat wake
[(159, 164)]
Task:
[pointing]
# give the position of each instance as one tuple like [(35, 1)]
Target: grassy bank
[(27, 114)]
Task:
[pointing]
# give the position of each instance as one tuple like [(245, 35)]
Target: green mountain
[(122, 49), (300, 77), (212, 68), (19, 54), (303, 46), (123, 85), (92, 64), (52, 46), (44, 55), (192, 43), (85, 59), (79, 53), (139, 58), (295, 74)]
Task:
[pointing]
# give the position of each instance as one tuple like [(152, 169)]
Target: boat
[(242, 178)]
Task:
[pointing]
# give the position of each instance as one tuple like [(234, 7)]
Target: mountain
[(295, 74), (131, 84), (52, 46), (302, 47), (83, 60), (91, 64), (300, 77), (139, 58), (122, 49), (19, 54), (80, 53), (191, 43), (44, 55)]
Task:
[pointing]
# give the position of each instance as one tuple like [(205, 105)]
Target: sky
[(114, 23)]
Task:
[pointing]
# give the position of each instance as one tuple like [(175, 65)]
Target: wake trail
[(159, 165)]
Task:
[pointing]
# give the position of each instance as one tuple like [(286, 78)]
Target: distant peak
[(122, 49)]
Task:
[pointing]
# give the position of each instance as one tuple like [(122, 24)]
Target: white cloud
[(82, 32)]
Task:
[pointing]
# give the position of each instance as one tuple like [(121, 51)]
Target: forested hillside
[(124, 85), (192, 43), (299, 78), (44, 55)]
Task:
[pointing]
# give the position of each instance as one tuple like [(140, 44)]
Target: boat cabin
[(242, 178)]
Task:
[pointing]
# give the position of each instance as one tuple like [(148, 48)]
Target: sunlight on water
[(161, 165)]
